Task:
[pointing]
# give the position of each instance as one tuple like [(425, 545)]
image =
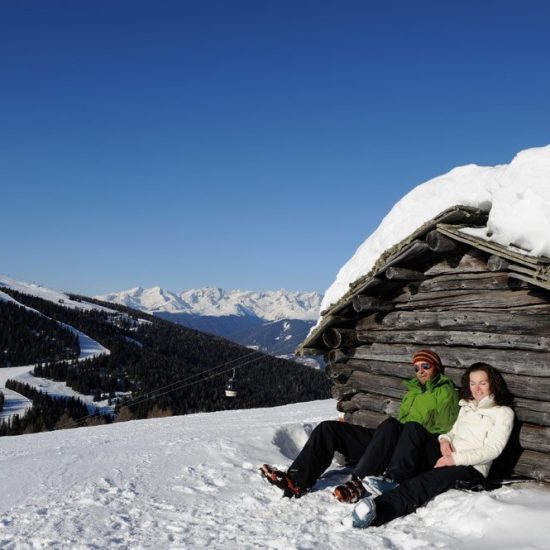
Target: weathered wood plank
[(362, 304), (534, 412), (535, 465), (518, 323), (535, 438), (342, 391), (400, 370), (465, 281), (492, 299), (506, 361), (457, 338), (382, 404), (372, 383), (471, 262), (404, 274)]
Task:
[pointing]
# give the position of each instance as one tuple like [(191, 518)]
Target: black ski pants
[(371, 449), (412, 465)]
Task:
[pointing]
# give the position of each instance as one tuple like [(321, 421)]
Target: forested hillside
[(166, 368), (26, 337)]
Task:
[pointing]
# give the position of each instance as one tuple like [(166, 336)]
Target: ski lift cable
[(180, 384), (154, 394)]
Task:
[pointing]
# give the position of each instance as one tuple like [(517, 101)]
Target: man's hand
[(446, 447), (445, 461)]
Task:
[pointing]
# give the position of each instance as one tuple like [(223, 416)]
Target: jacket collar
[(414, 384), (485, 403)]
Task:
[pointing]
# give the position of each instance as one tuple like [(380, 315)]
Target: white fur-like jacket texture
[(480, 433)]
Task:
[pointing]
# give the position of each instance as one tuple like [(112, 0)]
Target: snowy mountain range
[(272, 321), (216, 302)]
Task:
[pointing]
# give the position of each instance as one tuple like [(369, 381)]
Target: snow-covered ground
[(192, 482), (516, 195)]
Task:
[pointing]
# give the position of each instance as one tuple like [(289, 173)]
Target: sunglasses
[(423, 366)]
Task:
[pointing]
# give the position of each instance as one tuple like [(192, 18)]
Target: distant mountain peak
[(216, 302)]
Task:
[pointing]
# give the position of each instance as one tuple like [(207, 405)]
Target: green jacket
[(435, 406)]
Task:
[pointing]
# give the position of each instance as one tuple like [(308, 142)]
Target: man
[(431, 401)]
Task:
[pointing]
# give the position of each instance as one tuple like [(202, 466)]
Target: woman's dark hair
[(497, 385)]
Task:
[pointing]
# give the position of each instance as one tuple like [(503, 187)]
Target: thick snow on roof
[(517, 195)]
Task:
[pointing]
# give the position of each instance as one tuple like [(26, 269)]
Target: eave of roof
[(535, 270)]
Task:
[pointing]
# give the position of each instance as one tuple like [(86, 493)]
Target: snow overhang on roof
[(464, 224)]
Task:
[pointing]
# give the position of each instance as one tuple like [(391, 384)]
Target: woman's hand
[(446, 447), (445, 461)]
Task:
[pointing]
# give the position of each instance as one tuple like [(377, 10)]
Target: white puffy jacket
[(480, 433)]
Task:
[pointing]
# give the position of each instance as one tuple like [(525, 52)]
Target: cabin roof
[(453, 223)]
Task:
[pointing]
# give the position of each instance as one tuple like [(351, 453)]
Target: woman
[(422, 470)]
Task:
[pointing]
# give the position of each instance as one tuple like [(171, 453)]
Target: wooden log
[(346, 406), (440, 243), (372, 383), (534, 464), (338, 371), (404, 371), (513, 362), (475, 300), (471, 262), (336, 356), (339, 337), (465, 281), (404, 274), (534, 412), (363, 304), (496, 263), (535, 438), (342, 391), (501, 321), (457, 338), (410, 253), (382, 404)]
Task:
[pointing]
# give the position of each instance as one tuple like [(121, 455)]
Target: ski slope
[(16, 403), (192, 482)]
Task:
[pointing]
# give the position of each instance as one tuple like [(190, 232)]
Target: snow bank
[(517, 196), (192, 482)]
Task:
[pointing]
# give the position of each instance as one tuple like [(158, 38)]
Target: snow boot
[(351, 491), (282, 480), (363, 513)]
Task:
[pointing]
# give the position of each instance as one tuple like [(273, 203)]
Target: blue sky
[(248, 144)]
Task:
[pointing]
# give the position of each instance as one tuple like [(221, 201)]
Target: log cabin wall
[(467, 305)]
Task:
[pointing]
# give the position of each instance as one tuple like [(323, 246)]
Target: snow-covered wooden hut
[(452, 287)]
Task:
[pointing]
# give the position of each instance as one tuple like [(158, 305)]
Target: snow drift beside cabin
[(517, 196)]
